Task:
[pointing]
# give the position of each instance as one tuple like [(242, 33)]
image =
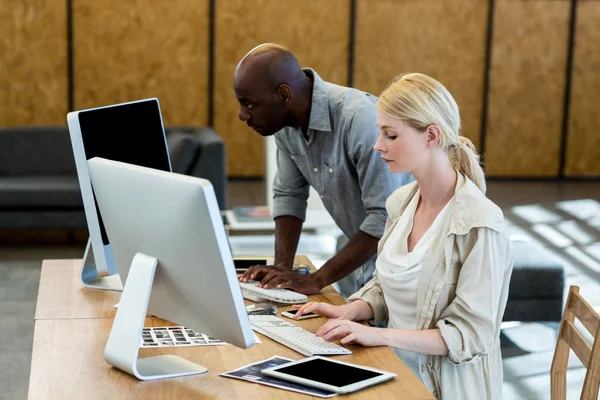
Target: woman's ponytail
[(464, 158)]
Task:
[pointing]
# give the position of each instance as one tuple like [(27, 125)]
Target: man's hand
[(258, 272), (274, 277), (347, 331)]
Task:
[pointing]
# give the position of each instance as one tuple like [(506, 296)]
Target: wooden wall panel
[(583, 146), (445, 40), (128, 50), (33, 62), (527, 85), (317, 33)]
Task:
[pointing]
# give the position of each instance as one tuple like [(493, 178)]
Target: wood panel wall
[(527, 88), (583, 145), (445, 40), (184, 52), (134, 49), (316, 31), (33, 62)]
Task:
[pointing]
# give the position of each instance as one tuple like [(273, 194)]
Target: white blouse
[(399, 271)]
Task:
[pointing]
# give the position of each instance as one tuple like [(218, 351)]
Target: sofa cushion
[(42, 218), (537, 274), (36, 151), (40, 191), (183, 151)]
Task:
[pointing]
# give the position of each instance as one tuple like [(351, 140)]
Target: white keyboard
[(294, 337), (251, 292)]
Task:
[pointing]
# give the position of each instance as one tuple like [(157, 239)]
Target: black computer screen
[(131, 133)]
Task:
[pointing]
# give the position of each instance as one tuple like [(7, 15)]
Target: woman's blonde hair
[(419, 101)]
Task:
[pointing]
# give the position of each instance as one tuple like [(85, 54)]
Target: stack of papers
[(251, 373)]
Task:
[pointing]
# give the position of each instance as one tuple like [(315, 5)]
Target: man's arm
[(287, 236)]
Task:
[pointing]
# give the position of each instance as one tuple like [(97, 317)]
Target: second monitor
[(129, 132), (172, 255)]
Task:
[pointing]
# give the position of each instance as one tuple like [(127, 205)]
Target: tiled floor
[(564, 217)]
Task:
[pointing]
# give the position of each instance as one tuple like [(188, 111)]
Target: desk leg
[(123, 343), (89, 274)]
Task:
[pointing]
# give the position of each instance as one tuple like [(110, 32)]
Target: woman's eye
[(392, 137)]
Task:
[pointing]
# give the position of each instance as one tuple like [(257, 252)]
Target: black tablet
[(243, 263), (333, 375)]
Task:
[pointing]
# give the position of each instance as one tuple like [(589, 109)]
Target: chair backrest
[(570, 337)]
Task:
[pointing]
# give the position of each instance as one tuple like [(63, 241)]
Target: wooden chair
[(570, 337)]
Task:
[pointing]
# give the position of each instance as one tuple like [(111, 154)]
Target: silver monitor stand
[(125, 337), (89, 274)]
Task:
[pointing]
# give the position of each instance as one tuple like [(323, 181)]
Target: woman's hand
[(323, 309), (347, 331)]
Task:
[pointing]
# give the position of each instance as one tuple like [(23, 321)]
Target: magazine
[(177, 336), (251, 373)]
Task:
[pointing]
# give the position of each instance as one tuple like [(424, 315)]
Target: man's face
[(260, 105)]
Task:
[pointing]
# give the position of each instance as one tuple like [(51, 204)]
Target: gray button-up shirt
[(336, 157)]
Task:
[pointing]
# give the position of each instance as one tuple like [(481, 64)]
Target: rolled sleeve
[(373, 295), (376, 182), (469, 325), (290, 188)]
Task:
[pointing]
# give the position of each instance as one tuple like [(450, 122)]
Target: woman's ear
[(432, 136)]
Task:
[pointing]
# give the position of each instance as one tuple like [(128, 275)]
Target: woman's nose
[(378, 147)]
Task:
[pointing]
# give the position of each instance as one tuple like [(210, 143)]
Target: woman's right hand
[(323, 309)]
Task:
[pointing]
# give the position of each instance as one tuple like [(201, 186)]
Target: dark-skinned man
[(325, 135)]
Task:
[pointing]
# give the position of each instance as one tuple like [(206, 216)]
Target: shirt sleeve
[(373, 295), (469, 324), (290, 187), (374, 178)]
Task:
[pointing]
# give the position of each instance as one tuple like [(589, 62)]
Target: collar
[(471, 208), (319, 108)]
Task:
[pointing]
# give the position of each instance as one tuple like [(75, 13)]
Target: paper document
[(176, 336), (251, 373)]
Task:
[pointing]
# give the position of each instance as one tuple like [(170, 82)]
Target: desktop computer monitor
[(129, 132), (171, 223)]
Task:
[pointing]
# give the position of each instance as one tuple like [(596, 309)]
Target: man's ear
[(284, 93), (432, 136)]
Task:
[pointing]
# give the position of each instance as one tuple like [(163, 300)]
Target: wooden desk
[(72, 326), (61, 294)]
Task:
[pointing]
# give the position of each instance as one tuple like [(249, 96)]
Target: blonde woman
[(445, 260)]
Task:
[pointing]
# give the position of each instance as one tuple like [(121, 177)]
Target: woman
[(445, 259)]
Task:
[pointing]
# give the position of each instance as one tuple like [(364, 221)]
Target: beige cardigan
[(462, 290)]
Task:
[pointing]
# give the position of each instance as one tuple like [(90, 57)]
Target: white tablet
[(325, 373)]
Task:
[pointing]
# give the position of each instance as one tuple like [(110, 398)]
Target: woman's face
[(402, 147)]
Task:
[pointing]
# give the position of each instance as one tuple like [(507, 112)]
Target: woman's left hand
[(347, 331)]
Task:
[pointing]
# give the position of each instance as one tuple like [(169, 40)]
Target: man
[(325, 135)]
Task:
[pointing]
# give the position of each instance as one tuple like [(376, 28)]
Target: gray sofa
[(38, 180), (537, 284)]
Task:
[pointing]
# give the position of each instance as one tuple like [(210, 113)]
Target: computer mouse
[(261, 309)]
